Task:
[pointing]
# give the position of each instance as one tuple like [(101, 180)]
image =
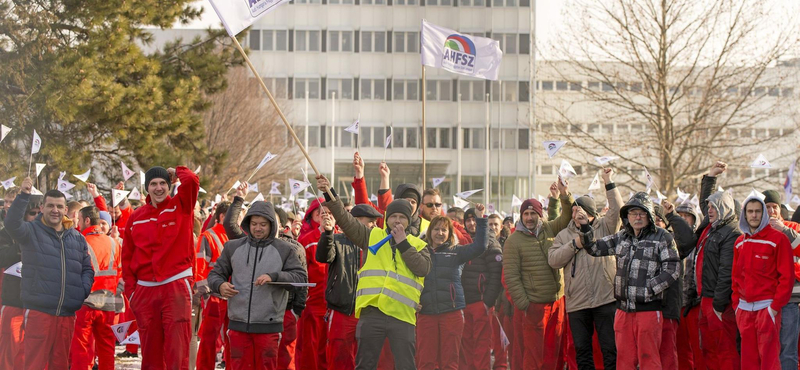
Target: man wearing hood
[(244, 274), (647, 265), (390, 282), (763, 277), (536, 288), (589, 291)]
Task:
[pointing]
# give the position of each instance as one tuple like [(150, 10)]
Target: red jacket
[(763, 268), (317, 272), (361, 197), (159, 243), (100, 203)]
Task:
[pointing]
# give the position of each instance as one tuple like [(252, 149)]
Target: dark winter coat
[(343, 259), (481, 276)]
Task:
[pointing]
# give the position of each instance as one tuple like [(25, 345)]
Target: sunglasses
[(432, 205), (33, 213)]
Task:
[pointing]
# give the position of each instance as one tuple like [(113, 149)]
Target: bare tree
[(695, 81), (242, 123)]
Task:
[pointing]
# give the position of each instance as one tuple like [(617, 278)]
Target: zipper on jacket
[(252, 283), (63, 275)]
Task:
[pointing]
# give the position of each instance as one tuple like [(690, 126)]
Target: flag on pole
[(62, 174), (795, 200), (236, 15), (35, 191), (39, 168), (117, 196), (682, 197), (83, 177), (236, 184), (266, 159), (543, 201), (297, 186), (552, 147), (121, 329), (388, 140), (8, 184), (4, 130), (460, 53), (64, 185), (132, 339), (761, 162), (437, 181), (37, 143), (604, 159), (258, 198), (200, 190), (197, 171), (127, 173), (354, 128), (274, 190), (252, 188), (15, 269), (787, 185), (515, 201), (373, 198), (141, 177), (135, 194), (566, 171), (460, 203), (308, 195), (467, 194), (595, 183), (660, 196), (648, 179), (757, 194), (720, 189)]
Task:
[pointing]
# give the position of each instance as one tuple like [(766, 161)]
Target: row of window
[(636, 87), (456, 3), (611, 128), (397, 89), (410, 137), (358, 41)]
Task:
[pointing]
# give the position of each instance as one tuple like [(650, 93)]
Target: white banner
[(460, 53), (236, 15)]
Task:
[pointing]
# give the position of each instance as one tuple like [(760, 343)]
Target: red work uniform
[(215, 308), (312, 330), (763, 276), (93, 333), (157, 265)]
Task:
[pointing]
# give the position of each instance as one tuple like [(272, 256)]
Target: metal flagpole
[(424, 137), (306, 136), (487, 180), (499, 145), (458, 146), (532, 104), (333, 139)]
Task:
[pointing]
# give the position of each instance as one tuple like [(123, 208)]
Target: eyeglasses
[(637, 214), (432, 205)]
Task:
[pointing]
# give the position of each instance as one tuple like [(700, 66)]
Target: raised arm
[(473, 250), (611, 221), (564, 218), (326, 250), (190, 185), (15, 218), (231, 220), (354, 230)]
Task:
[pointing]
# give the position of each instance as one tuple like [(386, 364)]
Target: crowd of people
[(401, 283)]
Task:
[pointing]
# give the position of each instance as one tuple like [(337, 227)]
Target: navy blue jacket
[(57, 272), (443, 291)]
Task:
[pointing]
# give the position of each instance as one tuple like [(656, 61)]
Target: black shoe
[(126, 354), (221, 365), (94, 367)]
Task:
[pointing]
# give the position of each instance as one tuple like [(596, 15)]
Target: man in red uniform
[(93, 333), (157, 267), (215, 308), (312, 329), (762, 277)]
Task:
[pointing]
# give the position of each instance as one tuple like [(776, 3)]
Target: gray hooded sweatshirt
[(258, 309)]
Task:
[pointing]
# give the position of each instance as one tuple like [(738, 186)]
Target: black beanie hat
[(156, 173), (470, 213), (772, 196), (587, 204), (399, 206)]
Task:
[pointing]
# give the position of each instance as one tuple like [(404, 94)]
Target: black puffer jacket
[(481, 277), (443, 291), (10, 254), (343, 259)]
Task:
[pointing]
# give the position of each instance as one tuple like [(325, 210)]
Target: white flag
[(467, 194), (460, 203), (62, 174), (354, 127), (756, 194), (308, 195), (515, 201), (660, 196), (236, 15), (268, 157), (566, 171), (37, 143), (4, 130), (795, 200), (117, 196), (135, 194), (274, 190), (437, 181), (604, 159), (8, 184), (388, 140), (217, 198), (695, 201), (302, 203), (236, 184), (761, 162), (127, 173), (197, 171), (552, 147), (200, 190), (64, 185), (141, 177), (35, 191), (84, 176), (682, 197), (121, 329), (460, 53), (648, 179), (14, 270), (297, 186), (595, 183), (67, 195), (39, 168), (252, 188), (373, 198), (132, 339), (719, 188), (544, 201), (258, 198)]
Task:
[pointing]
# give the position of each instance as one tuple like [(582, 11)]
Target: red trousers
[(517, 342), (477, 341), (669, 347), (47, 340), (129, 316), (93, 336), (500, 351), (312, 338), (761, 343), (718, 337), (253, 351), (543, 336), (690, 355), (638, 338), (341, 351), (438, 340), (215, 322), (11, 335), (288, 344), (164, 315)]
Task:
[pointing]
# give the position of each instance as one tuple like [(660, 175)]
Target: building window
[(472, 90), (472, 3), (342, 86), (547, 85), (306, 1), (547, 169), (274, 40), (439, 2), (510, 91), (508, 41), (439, 90), (346, 2), (406, 2), (561, 85), (406, 42), (438, 138), (593, 86), (306, 40), (474, 138), (345, 138), (301, 85), (405, 90), (787, 92), (373, 89), (313, 136), (575, 86), (373, 2), (254, 38), (340, 41), (373, 41), (278, 87), (378, 137)]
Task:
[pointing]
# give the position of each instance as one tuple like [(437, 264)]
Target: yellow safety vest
[(423, 225), (387, 283)]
